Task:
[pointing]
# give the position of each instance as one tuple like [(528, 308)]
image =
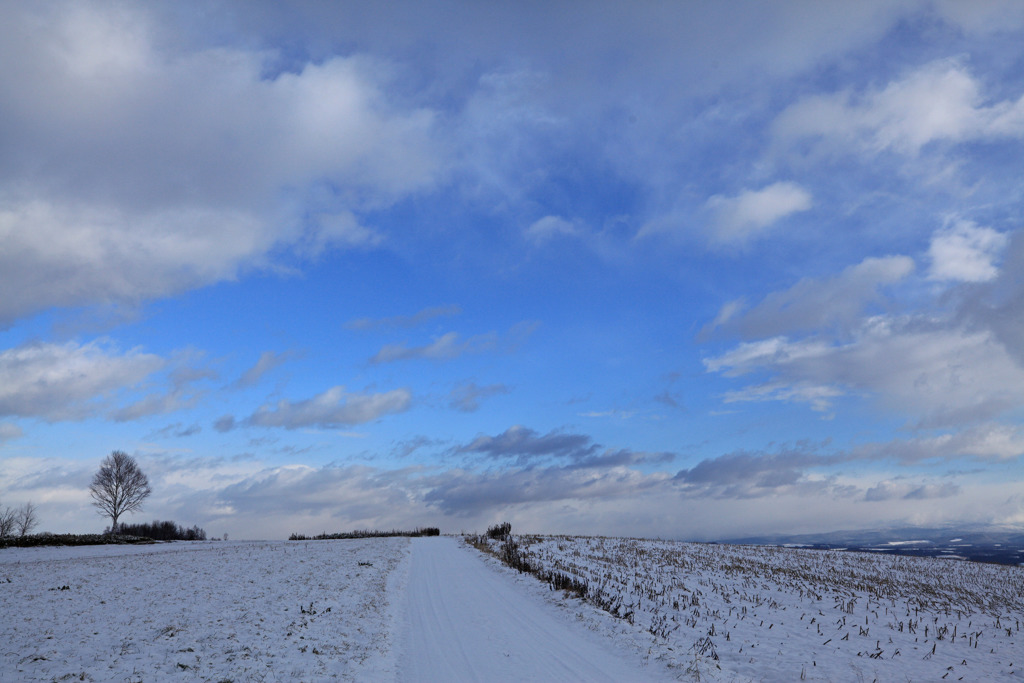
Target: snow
[(468, 622), (752, 613), (197, 611), (397, 609)]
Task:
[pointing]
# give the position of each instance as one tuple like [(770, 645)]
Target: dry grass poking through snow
[(762, 613), (209, 612)]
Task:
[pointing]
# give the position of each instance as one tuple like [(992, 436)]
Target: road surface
[(466, 622)]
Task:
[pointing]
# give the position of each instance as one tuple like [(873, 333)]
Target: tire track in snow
[(465, 622)]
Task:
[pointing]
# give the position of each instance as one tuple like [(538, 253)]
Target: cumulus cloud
[(939, 102), (140, 166), (69, 381), (741, 218), (400, 321), (965, 252), (332, 409)]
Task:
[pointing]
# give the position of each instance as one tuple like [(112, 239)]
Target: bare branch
[(119, 487), (8, 517), (26, 519)]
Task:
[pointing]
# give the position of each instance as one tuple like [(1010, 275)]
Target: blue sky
[(690, 270)]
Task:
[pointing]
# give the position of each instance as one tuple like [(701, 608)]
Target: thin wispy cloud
[(451, 345), (742, 218), (404, 321), (331, 409), (267, 361), (468, 397)]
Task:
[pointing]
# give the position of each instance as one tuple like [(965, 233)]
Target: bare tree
[(119, 487), (26, 519), (8, 516)]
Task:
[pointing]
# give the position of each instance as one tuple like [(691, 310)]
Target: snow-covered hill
[(228, 611), (395, 609), (765, 613)]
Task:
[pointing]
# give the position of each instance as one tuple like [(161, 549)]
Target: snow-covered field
[(395, 609), (222, 611), (761, 613)]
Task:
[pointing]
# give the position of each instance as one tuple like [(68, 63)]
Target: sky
[(691, 270)]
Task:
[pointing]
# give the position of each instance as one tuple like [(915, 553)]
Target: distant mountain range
[(998, 544)]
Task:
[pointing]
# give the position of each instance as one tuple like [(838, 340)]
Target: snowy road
[(465, 622)]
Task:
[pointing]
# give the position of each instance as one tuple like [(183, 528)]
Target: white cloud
[(819, 396), (933, 374), (988, 441), (331, 409), (138, 166), (445, 347), (340, 229), (60, 254), (68, 381), (965, 252), (940, 101), (718, 498), (729, 311), (739, 219), (815, 303), (750, 356)]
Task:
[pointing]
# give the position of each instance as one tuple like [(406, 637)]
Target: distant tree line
[(162, 531), (424, 531)]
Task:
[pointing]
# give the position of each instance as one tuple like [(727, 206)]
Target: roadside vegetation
[(749, 609)]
